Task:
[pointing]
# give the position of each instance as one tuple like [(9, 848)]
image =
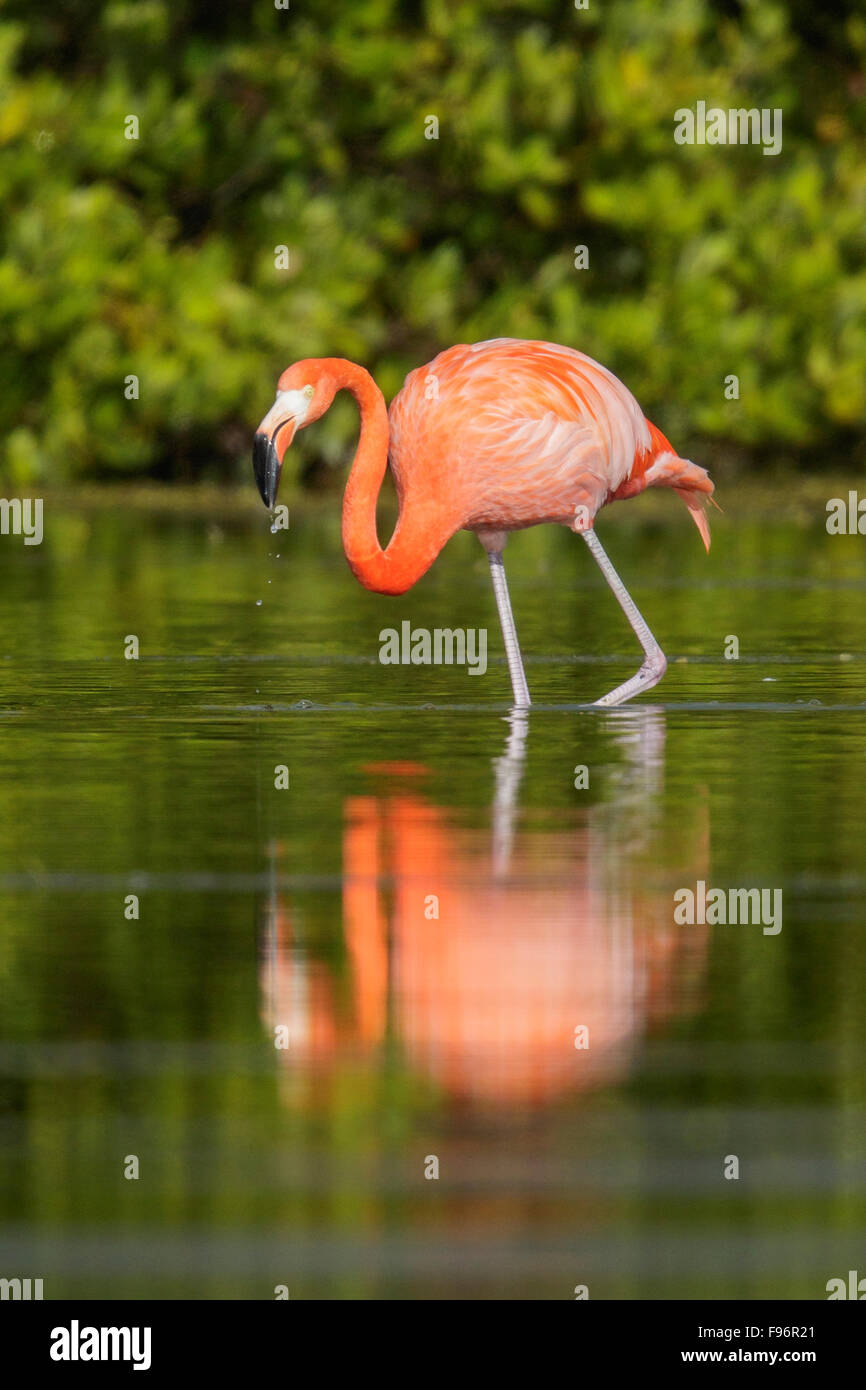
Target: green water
[(429, 911)]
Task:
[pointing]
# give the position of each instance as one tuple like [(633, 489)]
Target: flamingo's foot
[(649, 675)]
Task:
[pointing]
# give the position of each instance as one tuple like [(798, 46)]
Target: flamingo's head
[(304, 392)]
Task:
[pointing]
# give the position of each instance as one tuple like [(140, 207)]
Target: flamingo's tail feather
[(690, 482), (699, 516)]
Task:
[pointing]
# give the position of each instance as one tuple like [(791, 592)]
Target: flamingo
[(489, 437)]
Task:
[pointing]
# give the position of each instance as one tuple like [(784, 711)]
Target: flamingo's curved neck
[(417, 537)]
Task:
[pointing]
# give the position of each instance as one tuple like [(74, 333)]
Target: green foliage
[(306, 128)]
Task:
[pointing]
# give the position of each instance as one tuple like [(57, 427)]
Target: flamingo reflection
[(510, 964)]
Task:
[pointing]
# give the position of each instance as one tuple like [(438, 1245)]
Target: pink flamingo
[(488, 438)]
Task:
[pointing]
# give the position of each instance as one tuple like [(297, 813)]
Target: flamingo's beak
[(266, 467), (271, 441)]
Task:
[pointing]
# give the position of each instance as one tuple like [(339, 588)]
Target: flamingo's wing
[(551, 399), (533, 431), (550, 468)]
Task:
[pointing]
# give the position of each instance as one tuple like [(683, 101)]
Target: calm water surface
[(431, 916)]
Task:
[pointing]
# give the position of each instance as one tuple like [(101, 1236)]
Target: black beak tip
[(266, 467)]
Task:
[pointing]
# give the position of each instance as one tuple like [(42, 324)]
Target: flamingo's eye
[(308, 392)]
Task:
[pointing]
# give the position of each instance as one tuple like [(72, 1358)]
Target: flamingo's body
[(491, 438)]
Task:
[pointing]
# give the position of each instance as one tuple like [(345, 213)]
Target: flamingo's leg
[(509, 631), (655, 663)]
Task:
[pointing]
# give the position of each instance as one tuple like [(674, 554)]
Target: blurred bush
[(306, 128)]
